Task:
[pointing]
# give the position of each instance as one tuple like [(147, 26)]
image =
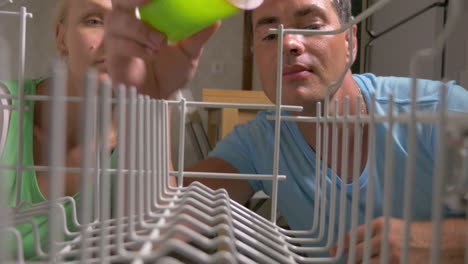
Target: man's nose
[(293, 45)]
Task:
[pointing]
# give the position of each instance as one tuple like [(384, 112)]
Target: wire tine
[(318, 158), (158, 146), (56, 154), (87, 136), (121, 150), (5, 223), (279, 90), (324, 172), (334, 172), (105, 127), (164, 159), (153, 154), (409, 174), (147, 146), (182, 117), (167, 137), (356, 184), (154, 145), (165, 190), (438, 181), (18, 245), (371, 181), (149, 180), (344, 181), (318, 152), (6, 215), (20, 102), (140, 160), (131, 161), (388, 181)]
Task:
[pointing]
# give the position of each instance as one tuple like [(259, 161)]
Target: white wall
[(39, 45)]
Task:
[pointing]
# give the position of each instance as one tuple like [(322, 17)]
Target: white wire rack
[(128, 212)]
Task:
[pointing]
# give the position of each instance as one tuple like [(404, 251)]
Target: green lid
[(178, 19)]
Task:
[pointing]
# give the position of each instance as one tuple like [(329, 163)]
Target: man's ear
[(355, 43), (60, 43)]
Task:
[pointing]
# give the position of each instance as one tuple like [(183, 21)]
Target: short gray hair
[(342, 9)]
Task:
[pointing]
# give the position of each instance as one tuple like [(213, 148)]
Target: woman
[(79, 41), (80, 30)]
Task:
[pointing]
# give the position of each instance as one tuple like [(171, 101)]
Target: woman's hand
[(138, 55)]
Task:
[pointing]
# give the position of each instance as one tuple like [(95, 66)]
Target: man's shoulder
[(262, 126), (401, 87), (261, 118)]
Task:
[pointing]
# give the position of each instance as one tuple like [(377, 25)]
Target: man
[(143, 58)]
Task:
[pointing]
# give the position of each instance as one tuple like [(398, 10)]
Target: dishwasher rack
[(128, 212)]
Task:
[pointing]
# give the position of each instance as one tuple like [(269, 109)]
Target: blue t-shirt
[(249, 148)]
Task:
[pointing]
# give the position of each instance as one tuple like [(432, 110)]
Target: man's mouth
[(100, 65), (100, 62), (295, 72)]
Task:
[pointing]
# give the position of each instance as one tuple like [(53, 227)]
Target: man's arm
[(453, 241), (239, 190)]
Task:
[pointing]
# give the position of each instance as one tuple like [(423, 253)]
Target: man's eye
[(313, 27), (270, 37), (93, 22)]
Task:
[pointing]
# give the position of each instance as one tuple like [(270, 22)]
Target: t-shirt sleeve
[(237, 149), (457, 98)]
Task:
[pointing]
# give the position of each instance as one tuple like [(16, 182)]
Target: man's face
[(310, 63)]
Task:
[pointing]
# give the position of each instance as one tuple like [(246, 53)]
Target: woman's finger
[(193, 45), (123, 25), (129, 48)]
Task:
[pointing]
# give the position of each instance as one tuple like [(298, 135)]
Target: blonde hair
[(59, 18)]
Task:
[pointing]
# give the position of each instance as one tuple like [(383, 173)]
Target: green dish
[(178, 19)]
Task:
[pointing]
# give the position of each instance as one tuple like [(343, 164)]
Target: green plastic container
[(178, 19)]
